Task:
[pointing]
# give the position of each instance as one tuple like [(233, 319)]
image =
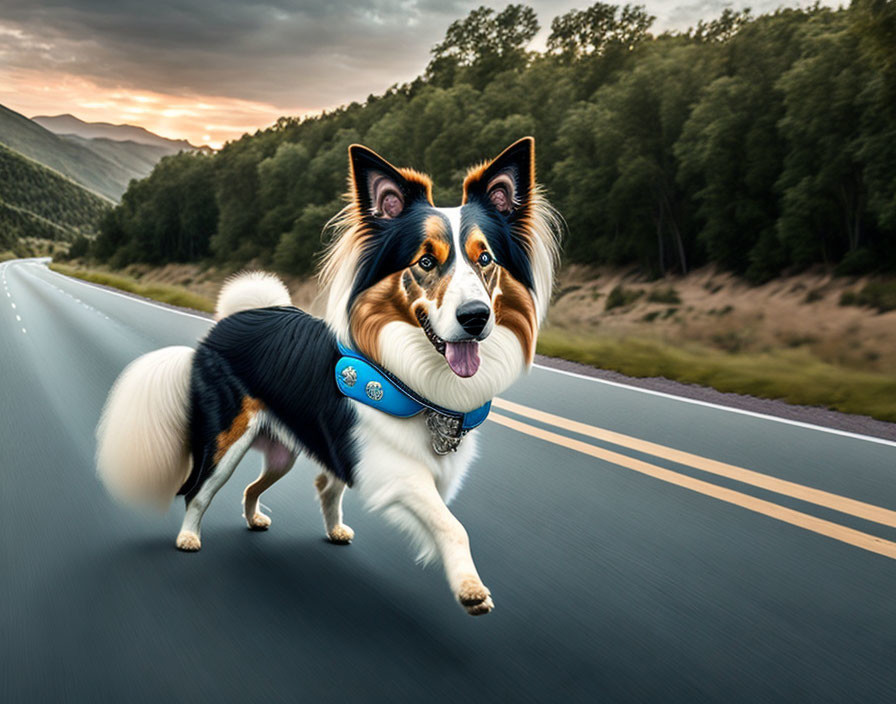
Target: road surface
[(639, 548)]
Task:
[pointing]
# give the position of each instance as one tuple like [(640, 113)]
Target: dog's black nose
[(473, 317)]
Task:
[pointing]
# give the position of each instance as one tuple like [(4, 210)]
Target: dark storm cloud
[(313, 53), (310, 54)]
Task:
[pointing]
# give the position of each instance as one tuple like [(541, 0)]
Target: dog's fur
[(447, 300)]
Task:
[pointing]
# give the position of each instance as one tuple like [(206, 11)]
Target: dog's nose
[(473, 317)]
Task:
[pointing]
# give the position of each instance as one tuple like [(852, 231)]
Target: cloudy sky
[(210, 70)]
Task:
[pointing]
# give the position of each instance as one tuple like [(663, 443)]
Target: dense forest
[(761, 144), (38, 202)]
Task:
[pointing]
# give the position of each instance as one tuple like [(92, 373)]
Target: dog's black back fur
[(284, 358)]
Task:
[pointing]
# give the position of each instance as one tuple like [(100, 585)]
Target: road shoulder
[(813, 415)]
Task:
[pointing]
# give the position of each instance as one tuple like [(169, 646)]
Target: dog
[(430, 313)]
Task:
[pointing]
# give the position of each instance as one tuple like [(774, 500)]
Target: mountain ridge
[(100, 164), (67, 123)]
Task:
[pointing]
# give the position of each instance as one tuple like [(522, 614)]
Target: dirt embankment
[(720, 311)]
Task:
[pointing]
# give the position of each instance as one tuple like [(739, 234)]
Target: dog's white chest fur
[(399, 474), (390, 447)]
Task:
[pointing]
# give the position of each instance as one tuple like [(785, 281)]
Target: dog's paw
[(188, 541), (475, 597), (341, 534), (259, 521)]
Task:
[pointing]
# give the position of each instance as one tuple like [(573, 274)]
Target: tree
[(623, 182), (597, 30), (484, 43), (754, 143), (874, 26), (824, 197)]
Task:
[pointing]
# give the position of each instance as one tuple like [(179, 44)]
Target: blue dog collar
[(363, 381)]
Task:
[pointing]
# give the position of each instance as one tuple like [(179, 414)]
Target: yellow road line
[(859, 509), (751, 503)]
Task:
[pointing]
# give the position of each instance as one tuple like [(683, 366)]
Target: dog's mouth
[(462, 357)]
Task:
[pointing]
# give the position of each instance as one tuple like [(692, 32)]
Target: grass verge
[(166, 293), (794, 376)]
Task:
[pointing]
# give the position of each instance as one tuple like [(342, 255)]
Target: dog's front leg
[(421, 500)]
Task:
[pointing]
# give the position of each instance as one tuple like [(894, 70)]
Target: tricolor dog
[(431, 312)]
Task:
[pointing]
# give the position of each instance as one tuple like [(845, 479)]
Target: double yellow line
[(859, 509)]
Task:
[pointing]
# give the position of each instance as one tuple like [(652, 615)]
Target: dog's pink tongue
[(463, 357)]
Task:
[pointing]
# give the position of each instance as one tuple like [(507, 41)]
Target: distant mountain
[(103, 165), (38, 202), (69, 124), (129, 156)]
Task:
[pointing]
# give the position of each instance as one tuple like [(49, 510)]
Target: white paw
[(341, 534), (259, 521), (188, 541), (475, 597)]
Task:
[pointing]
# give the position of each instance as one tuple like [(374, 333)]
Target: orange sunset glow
[(200, 119)]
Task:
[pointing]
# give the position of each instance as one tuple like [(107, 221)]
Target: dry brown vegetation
[(723, 313)]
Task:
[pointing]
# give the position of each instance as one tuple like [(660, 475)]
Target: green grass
[(166, 293), (816, 294), (621, 296), (876, 294), (664, 295), (791, 375)]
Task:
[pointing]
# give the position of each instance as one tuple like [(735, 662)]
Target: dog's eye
[(426, 262), (484, 259)]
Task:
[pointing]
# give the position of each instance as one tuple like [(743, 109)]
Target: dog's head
[(448, 299)]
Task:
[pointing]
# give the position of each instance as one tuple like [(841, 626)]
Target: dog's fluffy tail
[(143, 453), (251, 289)]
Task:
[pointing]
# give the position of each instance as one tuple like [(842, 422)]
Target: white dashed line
[(24, 330), (19, 318), (13, 305)]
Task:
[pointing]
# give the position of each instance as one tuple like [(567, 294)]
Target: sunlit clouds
[(210, 120)]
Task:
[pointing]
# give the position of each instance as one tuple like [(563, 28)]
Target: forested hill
[(759, 143), (102, 165), (38, 202)]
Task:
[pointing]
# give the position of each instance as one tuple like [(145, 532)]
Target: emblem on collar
[(366, 382)]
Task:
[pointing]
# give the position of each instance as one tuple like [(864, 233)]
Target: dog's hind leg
[(330, 490), (199, 499), (278, 460)]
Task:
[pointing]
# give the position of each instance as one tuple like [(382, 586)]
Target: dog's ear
[(379, 189), (508, 181)]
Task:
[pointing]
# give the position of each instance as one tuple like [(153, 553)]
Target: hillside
[(103, 166), (129, 156), (71, 125), (38, 202)]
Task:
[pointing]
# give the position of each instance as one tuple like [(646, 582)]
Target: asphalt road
[(697, 554)]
